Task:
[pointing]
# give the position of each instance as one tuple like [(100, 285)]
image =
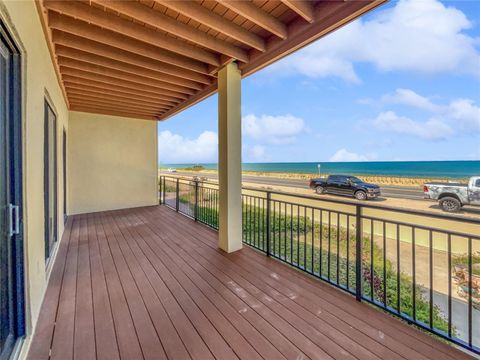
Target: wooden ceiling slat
[(91, 38), (263, 19), (217, 22), (160, 21), (158, 78), (302, 8), (100, 89), (79, 79), (117, 75), (117, 82), (172, 73), (114, 23), (143, 59), (74, 98), (93, 91), (100, 111), (78, 94), (115, 106)]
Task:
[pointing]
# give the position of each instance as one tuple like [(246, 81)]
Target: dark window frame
[(15, 190)]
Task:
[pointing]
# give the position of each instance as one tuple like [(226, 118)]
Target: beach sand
[(376, 179)]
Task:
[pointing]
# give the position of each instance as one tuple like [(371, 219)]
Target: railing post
[(164, 189), (195, 207), (269, 195), (160, 185), (358, 253), (177, 199)]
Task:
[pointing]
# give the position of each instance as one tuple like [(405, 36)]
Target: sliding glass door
[(11, 240)]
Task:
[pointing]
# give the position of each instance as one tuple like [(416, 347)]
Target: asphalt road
[(402, 192)]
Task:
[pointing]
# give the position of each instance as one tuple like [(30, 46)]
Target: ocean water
[(440, 169)]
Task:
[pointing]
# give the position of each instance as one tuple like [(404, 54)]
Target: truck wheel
[(319, 190), (450, 204), (361, 195)]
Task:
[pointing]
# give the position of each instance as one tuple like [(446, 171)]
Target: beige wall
[(39, 82), (112, 163)]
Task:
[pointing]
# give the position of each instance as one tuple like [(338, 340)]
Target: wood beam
[(217, 22), (329, 16), (130, 47), (88, 100), (256, 15), (116, 83), (158, 78), (120, 77), (93, 110), (108, 87), (170, 73), (98, 92), (154, 18), (115, 23), (42, 14), (114, 107), (301, 7), (76, 94)]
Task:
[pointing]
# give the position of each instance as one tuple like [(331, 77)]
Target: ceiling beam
[(100, 93), (93, 110), (116, 108), (116, 82), (136, 71), (89, 100), (256, 15), (79, 94), (301, 7), (79, 79), (100, 88), (136, 31), (173, 74), (329, 16), (154, 18), (217, 22), (87, 31), (121, 77)]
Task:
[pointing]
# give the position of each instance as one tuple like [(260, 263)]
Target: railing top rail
[(365, 206)]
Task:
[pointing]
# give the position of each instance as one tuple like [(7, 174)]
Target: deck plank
[(150, 283)]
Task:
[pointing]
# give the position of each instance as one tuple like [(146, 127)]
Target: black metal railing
[(422, 267)]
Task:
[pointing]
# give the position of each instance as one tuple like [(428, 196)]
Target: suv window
[(338, 179), (477, 183)]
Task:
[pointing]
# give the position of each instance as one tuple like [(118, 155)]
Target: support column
[(230, 158)]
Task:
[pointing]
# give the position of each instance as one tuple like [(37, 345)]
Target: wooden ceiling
[(150, 59)]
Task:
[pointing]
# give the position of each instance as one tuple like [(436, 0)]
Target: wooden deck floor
[(149, 283)]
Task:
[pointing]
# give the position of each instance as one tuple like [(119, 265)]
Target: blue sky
[(402, 83)]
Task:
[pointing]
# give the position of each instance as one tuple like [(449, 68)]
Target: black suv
[(345, 185)]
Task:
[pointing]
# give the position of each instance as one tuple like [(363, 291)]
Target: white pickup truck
[(452, 196)]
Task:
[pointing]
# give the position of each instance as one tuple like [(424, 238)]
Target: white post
[(230, 158)]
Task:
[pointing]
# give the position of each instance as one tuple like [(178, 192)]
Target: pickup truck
[(345, 185), (452, 196)]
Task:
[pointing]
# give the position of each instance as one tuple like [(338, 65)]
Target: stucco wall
[(112, 163), (39, 81)]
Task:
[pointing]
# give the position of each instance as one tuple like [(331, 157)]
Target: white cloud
[(256, 153), (422, 36), (466, 113), (459, 116), (411, 98), (174, 148), (343, 155), (281, 129), (432, 129)]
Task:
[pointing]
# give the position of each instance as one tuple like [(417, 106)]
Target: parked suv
[(345, 185)]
